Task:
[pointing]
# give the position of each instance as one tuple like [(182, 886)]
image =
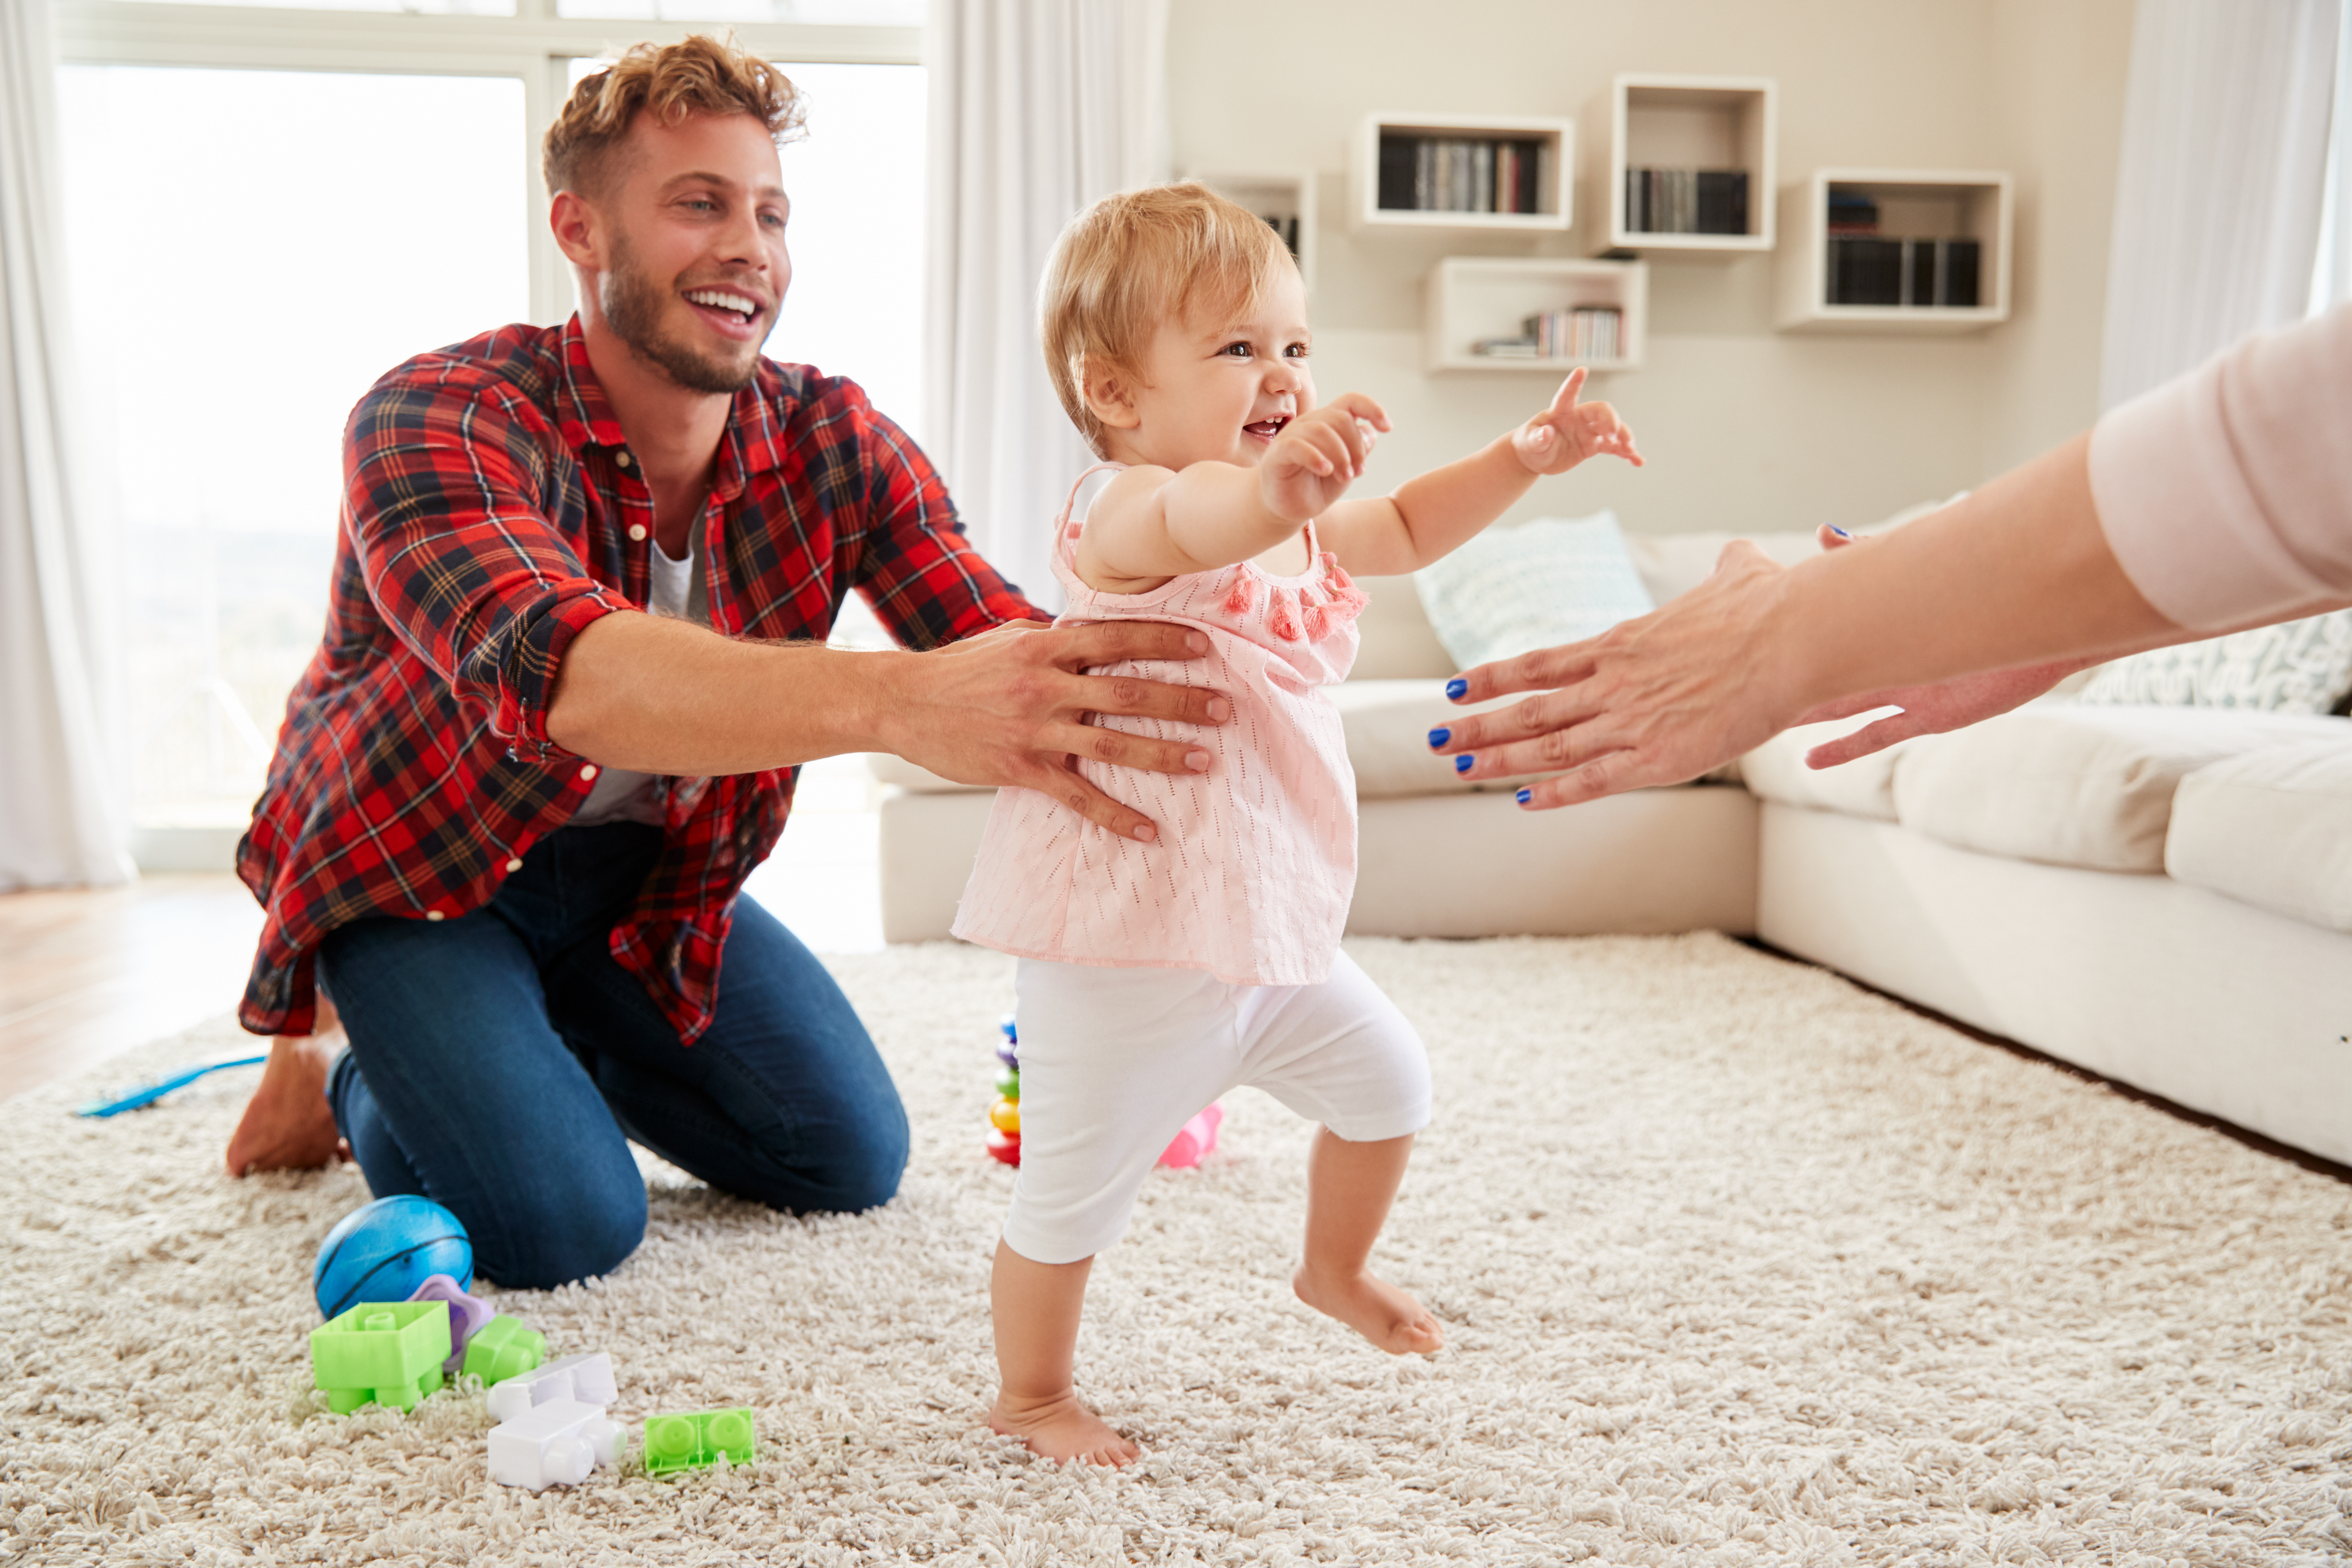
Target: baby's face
[(1222, 389)]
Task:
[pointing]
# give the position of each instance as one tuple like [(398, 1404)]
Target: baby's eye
[(1297, 351), (1238, 350)]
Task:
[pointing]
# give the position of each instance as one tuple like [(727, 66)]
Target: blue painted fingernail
[(1841, 532), (1440, 735), (1464, 763), (1526, 795), (1456, 687)]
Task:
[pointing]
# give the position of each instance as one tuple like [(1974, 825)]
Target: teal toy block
[(693, 1439), (502, 1348), (386, 1352)]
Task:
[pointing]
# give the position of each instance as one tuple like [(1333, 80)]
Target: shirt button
[(587, 770), (434, 915), (637, 531), (621, 459), (515, 864)]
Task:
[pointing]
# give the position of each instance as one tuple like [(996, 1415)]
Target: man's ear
[(578, 233), (1109, 393)]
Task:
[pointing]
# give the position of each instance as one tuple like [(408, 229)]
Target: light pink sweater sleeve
[(2227, 493)]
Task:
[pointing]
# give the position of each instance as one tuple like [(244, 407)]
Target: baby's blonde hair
[(1134, 260)]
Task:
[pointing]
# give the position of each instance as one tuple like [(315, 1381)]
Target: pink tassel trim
[(1282, 614), (1238, 601)]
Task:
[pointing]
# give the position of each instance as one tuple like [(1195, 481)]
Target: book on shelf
[(1459, 173), (1870, 269), (1686, 201), (1852, 212), (1579, 332)]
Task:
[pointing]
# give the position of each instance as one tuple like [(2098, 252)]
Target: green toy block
[(388, 1352), (693, 1439), (502, 1348), (1008, 1082)]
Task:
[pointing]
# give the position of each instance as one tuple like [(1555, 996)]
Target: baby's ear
[(1109, 394)]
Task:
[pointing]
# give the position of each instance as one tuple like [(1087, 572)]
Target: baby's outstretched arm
[(1152, 523), (1432, 514)]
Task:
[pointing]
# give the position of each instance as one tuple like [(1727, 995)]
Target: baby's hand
[(1569, 432), (1318, 456)]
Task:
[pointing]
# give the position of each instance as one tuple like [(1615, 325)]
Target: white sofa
[(2162, 896)]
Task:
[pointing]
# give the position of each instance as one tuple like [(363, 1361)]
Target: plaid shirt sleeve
[(918, 571), (450, 494)]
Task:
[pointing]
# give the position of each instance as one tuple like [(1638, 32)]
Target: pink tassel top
[(1255, 861)]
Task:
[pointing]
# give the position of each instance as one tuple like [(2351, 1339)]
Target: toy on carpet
[(556, 1444), (385, 1352), (1193, 1144), (468, 1315), (694, 1439), (154, 1090), (587, 1379), (385, 1250)]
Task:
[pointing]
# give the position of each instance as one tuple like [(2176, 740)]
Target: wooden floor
[(85, 976)]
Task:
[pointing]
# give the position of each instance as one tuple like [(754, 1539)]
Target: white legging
[(1114, 1061)]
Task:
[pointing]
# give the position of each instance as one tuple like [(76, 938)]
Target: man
[(510, 812)]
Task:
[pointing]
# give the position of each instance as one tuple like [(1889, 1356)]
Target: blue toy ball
[(383, 1251)]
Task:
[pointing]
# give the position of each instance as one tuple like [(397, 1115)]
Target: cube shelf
[(1551, 142), (1469, 298), (1685, 124), (1923, 204), (1285, 199)]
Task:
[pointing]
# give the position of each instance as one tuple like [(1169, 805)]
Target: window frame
[(534, 47)]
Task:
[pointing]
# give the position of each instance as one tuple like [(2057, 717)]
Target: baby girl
[(1158, 972)]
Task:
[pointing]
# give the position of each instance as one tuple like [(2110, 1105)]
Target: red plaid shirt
[(491, 508)]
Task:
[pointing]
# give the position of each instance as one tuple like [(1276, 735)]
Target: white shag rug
[(1740, 1265)]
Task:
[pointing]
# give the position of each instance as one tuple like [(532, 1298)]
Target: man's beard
[(633, 305)]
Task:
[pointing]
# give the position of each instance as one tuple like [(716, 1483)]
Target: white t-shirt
[(2226, 494), (678, 589)]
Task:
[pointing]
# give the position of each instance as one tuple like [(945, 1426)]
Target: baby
[(1156, 974)]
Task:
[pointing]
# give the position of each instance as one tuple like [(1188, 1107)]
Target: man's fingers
[(1110, 642), (1100, 743), (1065, 785)]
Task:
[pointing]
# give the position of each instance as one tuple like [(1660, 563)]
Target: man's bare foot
[(1375, 1309), (286, 1124), (1061, 1429)]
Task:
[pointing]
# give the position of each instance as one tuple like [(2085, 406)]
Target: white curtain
[(2331, 280), (1037, 108), (60, 817), (2219, 196)]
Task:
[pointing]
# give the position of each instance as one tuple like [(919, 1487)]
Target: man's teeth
[(719, 299)]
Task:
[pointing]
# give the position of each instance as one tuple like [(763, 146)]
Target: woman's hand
[(1568, 432), (1318, 456)]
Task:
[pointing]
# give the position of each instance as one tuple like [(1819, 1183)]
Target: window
[(237, 287)]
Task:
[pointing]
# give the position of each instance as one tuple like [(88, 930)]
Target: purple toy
[(467, 1314)]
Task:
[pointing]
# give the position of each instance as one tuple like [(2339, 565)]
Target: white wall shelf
[(1684, 123), (1467, 297), (1554, 146), (1911, 204), (1285, 199)]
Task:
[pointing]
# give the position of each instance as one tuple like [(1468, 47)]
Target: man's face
[(695, 265)]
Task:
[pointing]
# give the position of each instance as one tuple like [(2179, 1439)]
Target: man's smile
[(731, 311)]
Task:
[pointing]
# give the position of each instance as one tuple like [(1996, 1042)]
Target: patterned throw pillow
[(2302, 667), (1517, 588)]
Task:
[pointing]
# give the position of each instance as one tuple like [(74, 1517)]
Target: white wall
[(1745, 427)]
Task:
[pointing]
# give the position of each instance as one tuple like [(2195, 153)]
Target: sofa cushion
[(1776, 771), (1672, 565), (2298, 667), (1517, 588), (2076, 785), (2272, 828)]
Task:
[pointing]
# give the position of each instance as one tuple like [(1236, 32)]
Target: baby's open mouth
[(1267, 429)]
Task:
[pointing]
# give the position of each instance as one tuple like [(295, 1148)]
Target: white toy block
[(586, 1378), (556, 1444)]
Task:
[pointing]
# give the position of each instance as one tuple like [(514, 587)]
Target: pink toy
[(1197, 1141), (467, 1314)]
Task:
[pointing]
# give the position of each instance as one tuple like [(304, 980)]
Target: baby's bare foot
[(1061, 1429), (1375, 1309)]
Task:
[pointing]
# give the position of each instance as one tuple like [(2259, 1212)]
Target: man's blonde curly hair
[(671, 81)]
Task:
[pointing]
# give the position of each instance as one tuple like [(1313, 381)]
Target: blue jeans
[(502, 1063)]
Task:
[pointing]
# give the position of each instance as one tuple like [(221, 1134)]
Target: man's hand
[(1568, 432), (287, 1125), (1318, 456), (1008, 707)]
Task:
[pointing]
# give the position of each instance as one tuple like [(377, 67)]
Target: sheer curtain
[(60, 809), (1037, 108), (2218, 196), (2331, 280)]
